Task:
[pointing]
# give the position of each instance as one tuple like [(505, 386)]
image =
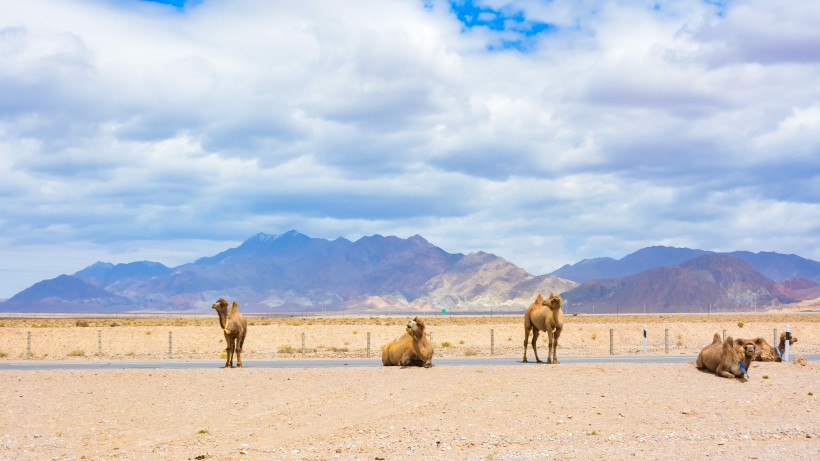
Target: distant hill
[(65, 294), (709, 282), (775, 266), (294, 272)]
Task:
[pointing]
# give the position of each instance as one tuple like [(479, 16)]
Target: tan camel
[(721, 358), (544, 315), (235, 327), (413, 348)]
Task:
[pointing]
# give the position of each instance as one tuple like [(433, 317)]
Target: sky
[(545, 132)]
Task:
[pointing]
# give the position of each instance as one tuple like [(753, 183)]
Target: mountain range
[(292, 272)]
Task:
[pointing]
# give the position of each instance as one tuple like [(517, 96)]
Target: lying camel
[(721, 358), (544, 315), (765, 352), (413, 348), (235, 327)]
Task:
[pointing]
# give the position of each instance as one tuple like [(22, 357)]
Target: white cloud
[(128, 125)]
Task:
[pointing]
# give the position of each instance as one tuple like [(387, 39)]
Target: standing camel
[(544, 315), (235, 328)]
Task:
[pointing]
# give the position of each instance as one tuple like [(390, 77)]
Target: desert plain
[(496, 412)]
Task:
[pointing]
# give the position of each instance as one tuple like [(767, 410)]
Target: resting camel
[(413, 348), (763, 351), (235, 328), (544, 315), (721, 358)]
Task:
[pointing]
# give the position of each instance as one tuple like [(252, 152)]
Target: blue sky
[(545, 132)]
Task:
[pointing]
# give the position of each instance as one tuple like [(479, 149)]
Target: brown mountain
[(711, 282)]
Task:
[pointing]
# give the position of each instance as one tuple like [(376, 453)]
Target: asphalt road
[(331, 363)]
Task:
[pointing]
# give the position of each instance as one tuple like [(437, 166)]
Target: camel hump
[(234, 307), (716, 339)]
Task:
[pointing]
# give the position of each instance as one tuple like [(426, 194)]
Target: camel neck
[(222, 319)]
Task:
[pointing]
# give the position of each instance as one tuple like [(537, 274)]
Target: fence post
[(170, 344), (303, 344), (644, 339), (99, 343), (666, 341), (28, 347), (492, 341), (775, 342), (368, 344), (788, 340), (724, 335), (611, 349)]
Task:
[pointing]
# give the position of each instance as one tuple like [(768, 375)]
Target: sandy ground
[(566, 411)]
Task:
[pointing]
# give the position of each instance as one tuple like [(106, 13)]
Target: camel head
[(415, 328), (220, 305), (782, 342), (553, 302), (749, 348)]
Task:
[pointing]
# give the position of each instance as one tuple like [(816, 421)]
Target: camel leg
[(535, 333), (526, 340), (241, 341), (406, 360), (550, 339), (231, 348), (554, 345)]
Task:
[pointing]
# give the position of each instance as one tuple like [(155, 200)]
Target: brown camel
[(413, 348), (544, 315), (235, 327), (721, 358)]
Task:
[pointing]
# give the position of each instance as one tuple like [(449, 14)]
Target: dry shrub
[(287, 349), (81, 323), (470, 352), (77, 353), (338, 349)]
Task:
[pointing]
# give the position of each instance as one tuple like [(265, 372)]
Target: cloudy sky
[(545, 132)]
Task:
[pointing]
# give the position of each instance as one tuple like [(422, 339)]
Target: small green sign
[(443, 310)]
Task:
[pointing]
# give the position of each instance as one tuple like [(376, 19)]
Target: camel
[(721, 358), (544, 315), (413, 348), (763, 351), (235, 327)]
